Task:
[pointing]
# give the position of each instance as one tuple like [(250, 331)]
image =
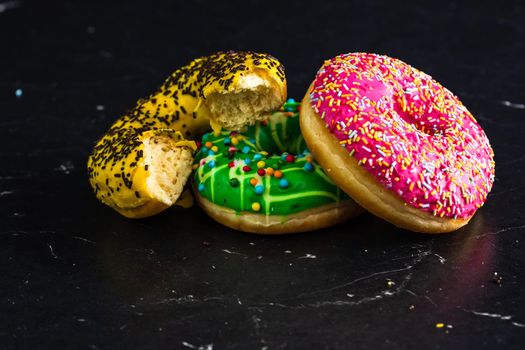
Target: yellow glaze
[(116, 167)]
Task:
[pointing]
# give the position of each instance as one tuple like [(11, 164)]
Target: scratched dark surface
[(74, 274)]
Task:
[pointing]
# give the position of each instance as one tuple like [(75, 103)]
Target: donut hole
[(429, 117), (169, 167), (252, 101)]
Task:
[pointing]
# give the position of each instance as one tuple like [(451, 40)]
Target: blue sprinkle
[(283, 183), (245, 149), (290, 100), (211, 153), (227, 141), (201, 187), (204, 149), (19, 92), (259, 189), (247, 161), (308, 167), (211, 164), (257, 157), (283, 156)]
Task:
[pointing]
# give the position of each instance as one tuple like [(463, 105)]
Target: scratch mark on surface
[(200, 347), (513, 105), (186, 300), (441, 259), (505, 229), (411, 292), (83, 239), (375, 274), (491, 315), (227, 251), (307, 256), (430, 300), (52, 251), (5, 193)]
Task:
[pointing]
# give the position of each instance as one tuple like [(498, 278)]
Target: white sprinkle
[(426, 185)]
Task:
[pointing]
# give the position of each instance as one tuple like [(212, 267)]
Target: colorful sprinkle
[(259, 189), (256, 206), (283, 183), (308, 166), (201, 187)]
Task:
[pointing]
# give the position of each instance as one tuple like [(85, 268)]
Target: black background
[(74, 274)]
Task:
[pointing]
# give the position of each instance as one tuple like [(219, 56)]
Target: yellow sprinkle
[(261, 164), (215, 149), (256, 206), (440, 325), (235, 141)]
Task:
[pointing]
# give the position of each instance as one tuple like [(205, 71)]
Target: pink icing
[(412, 134)]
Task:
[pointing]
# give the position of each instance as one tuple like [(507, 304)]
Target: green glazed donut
[(265, 180)]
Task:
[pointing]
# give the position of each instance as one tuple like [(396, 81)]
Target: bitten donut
[(396, 141), (140, 166), (265, 180)]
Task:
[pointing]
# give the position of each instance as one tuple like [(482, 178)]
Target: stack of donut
[(372, 132)]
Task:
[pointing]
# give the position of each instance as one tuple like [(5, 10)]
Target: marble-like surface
[(74, 274)]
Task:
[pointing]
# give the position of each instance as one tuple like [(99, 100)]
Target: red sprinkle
[(246, 168), (261, 172), (290, 158), (231, 164)]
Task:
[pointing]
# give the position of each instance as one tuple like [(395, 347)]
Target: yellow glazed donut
[(140, 166)]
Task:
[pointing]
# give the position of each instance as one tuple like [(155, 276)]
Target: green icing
[(308, 187)]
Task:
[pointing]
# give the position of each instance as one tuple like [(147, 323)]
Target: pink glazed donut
[(395, 140)]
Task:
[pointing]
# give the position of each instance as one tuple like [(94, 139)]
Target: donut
[(265, 181), (141, 165), (397, 142)]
